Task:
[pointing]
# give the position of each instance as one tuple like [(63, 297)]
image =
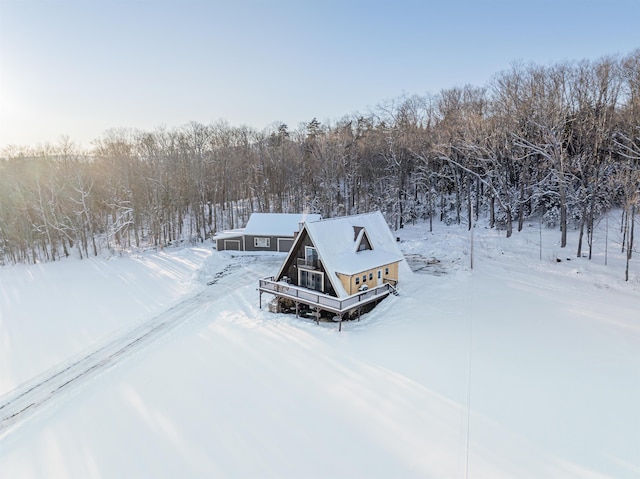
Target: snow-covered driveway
[(31, 396), (28, 398)]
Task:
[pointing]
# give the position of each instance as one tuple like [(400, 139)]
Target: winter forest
[(558, 143)]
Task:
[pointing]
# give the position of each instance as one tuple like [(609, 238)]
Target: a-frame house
[(338, 265)]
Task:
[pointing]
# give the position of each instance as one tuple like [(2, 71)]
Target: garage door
[(284, 245), (233, 245)]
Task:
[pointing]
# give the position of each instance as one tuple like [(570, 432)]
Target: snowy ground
[(135, 367)]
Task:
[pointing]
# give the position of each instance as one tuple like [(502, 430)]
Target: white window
[(310, 257), (261, 242), (311, 280)]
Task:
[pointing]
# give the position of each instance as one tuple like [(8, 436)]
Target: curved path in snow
[(27, 400)]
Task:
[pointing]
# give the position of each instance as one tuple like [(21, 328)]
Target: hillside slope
[(546, 353)]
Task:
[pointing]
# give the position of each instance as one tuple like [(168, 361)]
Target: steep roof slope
[(277, 224), (337, 241)]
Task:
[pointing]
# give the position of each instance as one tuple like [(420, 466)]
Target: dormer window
[(362, 240)]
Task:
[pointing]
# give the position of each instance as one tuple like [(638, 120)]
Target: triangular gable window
[(363, 241)]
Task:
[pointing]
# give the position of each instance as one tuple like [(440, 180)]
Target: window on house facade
[(310, 255), (311, 280), (357, 280), (262, 242), (386, 271), (370, 276), (365, 244), (364, 278), (379, 274)]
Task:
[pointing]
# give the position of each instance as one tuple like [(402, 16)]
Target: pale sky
[(80, 67)]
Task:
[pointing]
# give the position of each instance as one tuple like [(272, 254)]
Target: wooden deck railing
[(324, 301)]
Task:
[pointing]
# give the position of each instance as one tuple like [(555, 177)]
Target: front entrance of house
[(311, 279)]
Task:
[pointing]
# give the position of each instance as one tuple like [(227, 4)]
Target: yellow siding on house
[(344, 279), (349, 281)]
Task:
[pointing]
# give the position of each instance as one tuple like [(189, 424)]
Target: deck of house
[(323, 302)]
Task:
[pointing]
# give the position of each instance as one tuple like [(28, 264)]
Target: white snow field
[(135, 367)]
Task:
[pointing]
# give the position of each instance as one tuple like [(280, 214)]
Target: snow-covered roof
[(277, 224), (229, 234), (337, 240)]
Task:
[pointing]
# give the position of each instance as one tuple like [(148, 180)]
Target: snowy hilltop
[(162, 364)]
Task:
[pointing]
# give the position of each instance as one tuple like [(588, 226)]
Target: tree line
[(559, 142)]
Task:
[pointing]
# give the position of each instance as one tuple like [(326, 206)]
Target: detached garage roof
[(277, 224), (229, 234)]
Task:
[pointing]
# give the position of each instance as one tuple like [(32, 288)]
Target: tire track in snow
[(27, 400)]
